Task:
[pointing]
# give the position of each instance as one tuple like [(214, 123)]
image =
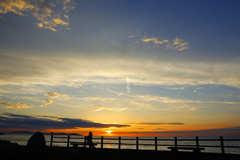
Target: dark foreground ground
[(59, 153)]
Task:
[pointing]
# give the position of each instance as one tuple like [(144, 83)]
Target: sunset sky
[(136, 68)]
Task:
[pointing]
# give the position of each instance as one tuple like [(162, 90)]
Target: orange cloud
[(46, 12), (48, 101), (16, 6), (154, 40), (55, 95), (17, 105), (177, 44)]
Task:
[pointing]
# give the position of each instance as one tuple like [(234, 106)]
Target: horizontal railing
[(155, 142)]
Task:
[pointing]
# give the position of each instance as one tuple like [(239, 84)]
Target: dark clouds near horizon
[(8, 120)]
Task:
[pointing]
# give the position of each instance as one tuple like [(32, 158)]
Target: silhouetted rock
[(36, 142)]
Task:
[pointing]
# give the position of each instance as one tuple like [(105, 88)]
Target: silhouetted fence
[(175, 142)]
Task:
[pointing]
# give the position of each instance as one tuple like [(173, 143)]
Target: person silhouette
[(89, 140)]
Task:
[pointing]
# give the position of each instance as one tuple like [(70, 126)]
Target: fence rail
[(154, 141)]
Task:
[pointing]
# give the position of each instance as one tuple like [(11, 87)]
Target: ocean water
[(145, 143)]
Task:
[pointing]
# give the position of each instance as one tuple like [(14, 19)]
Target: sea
[(145, 143)]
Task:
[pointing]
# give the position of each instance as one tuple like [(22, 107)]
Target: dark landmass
[(21, 132), (63, 133), (28, 132), (4, 143), (13, 151)]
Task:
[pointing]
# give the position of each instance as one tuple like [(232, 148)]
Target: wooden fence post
[(156, 144), (102, 142), (175, 139), (119, 143), (222, 145), (68, 141), (197, 142), (136, 143), (51, 142), (85, 141)]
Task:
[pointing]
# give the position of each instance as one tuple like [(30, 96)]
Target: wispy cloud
[(165, 99), (141, 104), (178, 100), (180, 104), (97, 98), (177, 44), (159, 129), (15, 105), (153, 40), (50, 14), (48, 101), (38, 70), (99, 108), (8, 120), (55, 94), (128, 85)]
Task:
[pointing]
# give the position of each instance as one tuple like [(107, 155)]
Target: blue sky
[(128, 63)]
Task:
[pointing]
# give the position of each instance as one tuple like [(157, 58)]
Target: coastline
[(130, 142), (11, 150)]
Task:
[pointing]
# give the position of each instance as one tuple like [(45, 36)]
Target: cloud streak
[(177, 44), (9, 120), (40, 70), (154, 40), (55, 95), (146, 123), (50, 14), (16, 105), (178, 100), (180, 104), (97, 98), (99, 108)]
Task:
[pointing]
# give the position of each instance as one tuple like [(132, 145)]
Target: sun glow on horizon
[(109, 132)]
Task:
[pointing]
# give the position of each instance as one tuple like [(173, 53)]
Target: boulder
[(36, 142)]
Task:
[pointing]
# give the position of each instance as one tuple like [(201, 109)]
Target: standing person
[(89, 140)]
